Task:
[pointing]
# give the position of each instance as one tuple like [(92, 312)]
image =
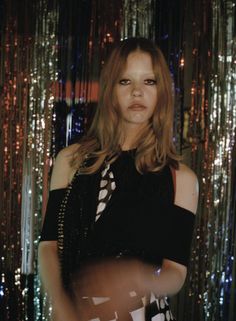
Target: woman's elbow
[(178, 271)]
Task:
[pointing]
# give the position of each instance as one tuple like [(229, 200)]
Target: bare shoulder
[(66, 153), (186, 174), (62, 170), (187, 188)]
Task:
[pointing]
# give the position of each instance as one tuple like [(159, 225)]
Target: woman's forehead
[(136, 62)]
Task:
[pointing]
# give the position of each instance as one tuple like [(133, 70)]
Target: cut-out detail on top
[(107, 186)]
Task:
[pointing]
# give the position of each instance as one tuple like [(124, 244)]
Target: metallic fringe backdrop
[(51, 54)]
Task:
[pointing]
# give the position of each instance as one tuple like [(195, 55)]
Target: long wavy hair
[(155, 147)]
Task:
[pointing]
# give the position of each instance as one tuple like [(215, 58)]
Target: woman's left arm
[(172, 275)]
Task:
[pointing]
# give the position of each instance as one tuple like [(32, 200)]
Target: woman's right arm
[(49, 268), (62, 307)]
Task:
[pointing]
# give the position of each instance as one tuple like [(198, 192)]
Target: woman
[(118, 227)]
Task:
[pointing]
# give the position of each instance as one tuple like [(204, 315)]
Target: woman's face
[(136, 90)]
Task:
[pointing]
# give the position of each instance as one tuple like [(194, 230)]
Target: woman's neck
[(131, 137)]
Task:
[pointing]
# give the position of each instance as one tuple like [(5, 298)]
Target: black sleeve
[(169, 234), (179, 233), (49, 230)]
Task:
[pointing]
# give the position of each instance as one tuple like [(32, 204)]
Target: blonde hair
[(155, 146)]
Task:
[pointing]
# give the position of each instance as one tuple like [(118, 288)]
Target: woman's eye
[(150, 82), (124, 82)]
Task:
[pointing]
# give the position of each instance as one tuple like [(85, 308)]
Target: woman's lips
[(137, 107)]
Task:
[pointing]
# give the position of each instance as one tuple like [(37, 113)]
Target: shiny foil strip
[(43, 73), (14, 95), (212, 124), (28, 71), (138, 18)]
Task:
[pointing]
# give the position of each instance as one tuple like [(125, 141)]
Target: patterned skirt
[(136, 309)]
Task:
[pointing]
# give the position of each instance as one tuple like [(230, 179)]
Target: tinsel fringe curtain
[(51, 54)]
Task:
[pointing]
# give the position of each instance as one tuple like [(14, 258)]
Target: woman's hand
[(109, 278), (121, 282)]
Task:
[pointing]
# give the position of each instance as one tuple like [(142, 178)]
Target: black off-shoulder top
[(140, 220)]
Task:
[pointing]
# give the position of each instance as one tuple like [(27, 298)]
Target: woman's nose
[(137, 91)]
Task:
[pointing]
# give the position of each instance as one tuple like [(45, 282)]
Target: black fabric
[(141, 233), (178, 234), (153, 310), (139, 221), (141, 218), (49, 230)]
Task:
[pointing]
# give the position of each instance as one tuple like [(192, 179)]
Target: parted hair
[(154, 146)]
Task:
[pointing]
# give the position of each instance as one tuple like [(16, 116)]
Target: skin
[(136, 93), (136, 88)]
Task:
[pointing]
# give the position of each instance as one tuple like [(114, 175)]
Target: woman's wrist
[(153, 283)]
